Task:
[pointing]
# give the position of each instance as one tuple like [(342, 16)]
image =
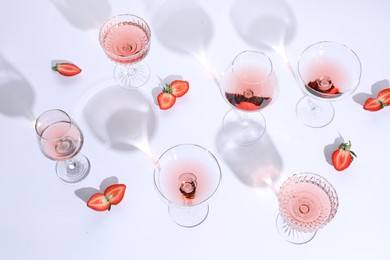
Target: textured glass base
[(292, 235), (314, 113), (73, 170), (132, 76), (188, 216), (243, 128)]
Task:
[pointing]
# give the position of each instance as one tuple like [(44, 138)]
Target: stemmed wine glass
[(60, 139), (248, 85), (187, 176), (307, 202), (125, 39), (328, 71)]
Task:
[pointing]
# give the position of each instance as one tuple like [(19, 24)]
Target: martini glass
[(248, 85), (307, 202), (327, 71), (60, 139), (187, 176), (125, 39)]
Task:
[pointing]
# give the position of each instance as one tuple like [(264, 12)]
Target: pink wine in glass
[(126, 42), (61, 140), (249, 89), (307, 202)]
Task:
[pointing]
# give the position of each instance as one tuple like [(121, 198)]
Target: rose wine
[(61, 140), (126, 42), (187, 182), (326, 79), (249, 89), (305, 204)]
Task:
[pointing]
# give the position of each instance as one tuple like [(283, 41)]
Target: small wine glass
[(125, 39), (248, 85), (307, 202), (327, 71), (60, 139), (187, 176)]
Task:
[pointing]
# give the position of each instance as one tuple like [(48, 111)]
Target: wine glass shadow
[(361, 98), (183, 26), (85, 193), (265, 24), (257, 165), (17, 96), (121, 119), (85, 14)]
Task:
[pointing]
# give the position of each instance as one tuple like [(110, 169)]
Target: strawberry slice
[(66, 69), (384, 97), (99, 202), (114, 193), (373, 104), (343, 156), (179, 87), (166, 100)]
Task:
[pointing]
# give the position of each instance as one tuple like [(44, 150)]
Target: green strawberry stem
[(347, 147), (55, 68)]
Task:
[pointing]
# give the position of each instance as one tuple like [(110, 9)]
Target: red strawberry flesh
[(115, 193), (165, 100), (99, 202), (384, 97), (66, 69), (179, 87), (373, 104)]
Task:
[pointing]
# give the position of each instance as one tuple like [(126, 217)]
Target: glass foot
[(292, 235), (188, 216), (314, 113), (243, 128), (132, 76), (73, 170)]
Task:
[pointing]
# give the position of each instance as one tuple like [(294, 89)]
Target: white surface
[(42, 218)]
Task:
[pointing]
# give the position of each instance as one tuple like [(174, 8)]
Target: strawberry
[(179, 87), (167, 98), (66, 69), (343, 156), (384, 97), (112, 196), (373, 104)]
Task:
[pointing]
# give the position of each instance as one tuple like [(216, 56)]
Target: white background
[(42, 217)]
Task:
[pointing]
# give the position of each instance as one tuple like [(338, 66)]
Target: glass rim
[(156, 183), (148, 33), (69, 119), (261, 53)]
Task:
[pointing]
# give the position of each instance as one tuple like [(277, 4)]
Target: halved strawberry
[(179, 87), (373, 104), (66, 69), (99, 202), (343, 156), (115, 193), (166, 100), (384, 97)]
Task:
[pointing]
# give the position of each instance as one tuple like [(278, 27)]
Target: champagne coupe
[(328, 71), (248, 85), (307, 202), (187, 176), (60, 139), (125, 39)]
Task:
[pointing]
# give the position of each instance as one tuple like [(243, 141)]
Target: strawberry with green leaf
[(112, 196), (167, 98), (381, 101), (343, 156)]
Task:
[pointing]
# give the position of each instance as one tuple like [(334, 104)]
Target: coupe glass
[(60, 139), (327, 71), (187, 176), (248, 85), (307, 202), (126, 40)]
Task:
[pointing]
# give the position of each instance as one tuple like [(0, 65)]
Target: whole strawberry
[(343, 156)]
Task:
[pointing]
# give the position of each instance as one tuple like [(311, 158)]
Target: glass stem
[(71, 165)]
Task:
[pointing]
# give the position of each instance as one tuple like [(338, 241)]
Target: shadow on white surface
[(17, 96), (267, 24), (258, 165), (121, 119), (330, 148), (183, 26), (360, 98), (85, 14), (85, 193)]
